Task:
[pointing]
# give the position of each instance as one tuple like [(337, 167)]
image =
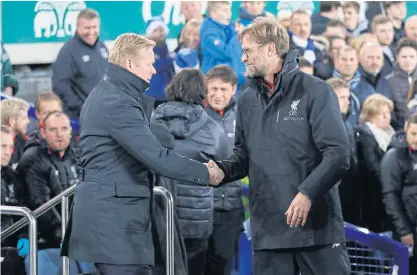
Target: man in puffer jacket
[(198, 137), (399, 187), (228, 208)]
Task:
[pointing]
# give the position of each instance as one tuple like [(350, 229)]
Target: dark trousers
[(223, 241), (196, 255), (315, 260), (110, 269)]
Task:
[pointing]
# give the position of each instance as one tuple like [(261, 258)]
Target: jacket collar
[(125, 80), (288, 71), (78, 37)]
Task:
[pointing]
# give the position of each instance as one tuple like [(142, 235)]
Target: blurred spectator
[(250, 10), (305, 66), (157, 30), (383, 29), (336, 43), (351, 19), (14, 114), (12, 194), (228, 208), (396, 11), (8, 80), (400, 79), (357, 42), (374, 8), (328, 10), (346, 68), (198, 137), (325, 69), (349, 187), (336, 28), (300, 31), (188, 52), (411, 28), (80, 63), (220, 44), (48, 170), (399, 188), (46, 102), (375, 134), (190, 10), (371, 60)]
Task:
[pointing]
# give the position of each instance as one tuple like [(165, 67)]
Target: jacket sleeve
[(63, 74), (130, 128), (10, 79), (392, 182), (370, 160), (213, 45), (333, 145), (236, 166)]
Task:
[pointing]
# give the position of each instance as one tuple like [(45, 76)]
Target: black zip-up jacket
[(46, 175), (227, 197), (399, 187), (293, 142), (13, 193), (78, 68)]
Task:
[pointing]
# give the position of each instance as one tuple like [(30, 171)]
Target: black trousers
[(196, 255), (222, 245), (315, 260), (110, 269)]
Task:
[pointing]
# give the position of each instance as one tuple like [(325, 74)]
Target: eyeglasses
[(248, 50)]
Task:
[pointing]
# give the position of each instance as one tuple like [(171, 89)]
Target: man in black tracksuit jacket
[(228, 207), (291, 142)]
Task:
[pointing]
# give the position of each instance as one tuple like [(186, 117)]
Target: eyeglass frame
[(246, 51)]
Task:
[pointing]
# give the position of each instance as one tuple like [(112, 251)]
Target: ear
[(37, 114), (11, 122), (42, 131), (234, 89)]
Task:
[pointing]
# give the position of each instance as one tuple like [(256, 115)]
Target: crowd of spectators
[(370, 63)]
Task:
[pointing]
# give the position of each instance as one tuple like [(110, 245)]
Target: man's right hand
[(216, 174), (408, 239)]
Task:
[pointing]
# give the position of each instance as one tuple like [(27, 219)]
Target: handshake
[(216, 174)]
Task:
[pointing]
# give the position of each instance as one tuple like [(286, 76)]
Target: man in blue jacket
[(80, 63), (219, 42)]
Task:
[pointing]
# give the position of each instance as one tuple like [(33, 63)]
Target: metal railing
[(64, 199), (38, 212), (29, 217), (170, 227)]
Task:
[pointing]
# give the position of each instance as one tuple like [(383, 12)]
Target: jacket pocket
[(131, 206)]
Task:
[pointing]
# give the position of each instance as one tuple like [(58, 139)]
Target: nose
[(244, 57), (153, 70)]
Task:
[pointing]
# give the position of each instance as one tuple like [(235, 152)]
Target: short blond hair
[(373, 105), (11, 108), (126, 46), (266, 30), (212, 5), (337, 84), (193, 23)]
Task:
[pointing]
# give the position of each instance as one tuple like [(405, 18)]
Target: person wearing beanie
[(157, 30)]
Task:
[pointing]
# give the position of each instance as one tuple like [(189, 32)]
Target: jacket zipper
[(278, 116)]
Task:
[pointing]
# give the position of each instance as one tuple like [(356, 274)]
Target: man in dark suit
[(111, 216)]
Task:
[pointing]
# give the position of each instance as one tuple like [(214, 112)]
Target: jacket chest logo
[(293, 113)]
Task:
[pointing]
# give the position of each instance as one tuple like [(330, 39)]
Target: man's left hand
[(298, 211)]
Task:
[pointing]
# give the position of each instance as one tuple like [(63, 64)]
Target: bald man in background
[(372, 70), (411, 27)]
